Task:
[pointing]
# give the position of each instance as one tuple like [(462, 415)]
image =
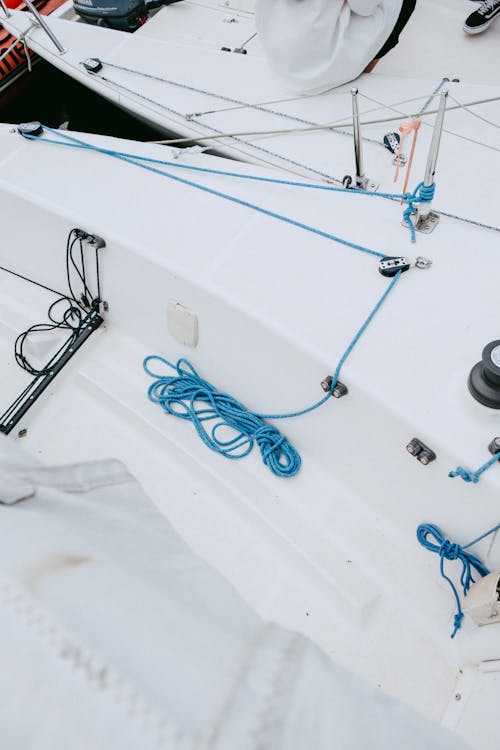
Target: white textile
[(115, 636), (319, 44)]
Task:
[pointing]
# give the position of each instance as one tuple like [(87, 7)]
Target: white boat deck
[(331, 552), (194, 87)]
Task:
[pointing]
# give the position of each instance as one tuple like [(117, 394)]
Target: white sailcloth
[(113, 634), (319, 44)]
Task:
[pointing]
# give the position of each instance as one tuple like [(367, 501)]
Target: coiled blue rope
[(473, 476), (187, 396), (451, 551), (421, 194)]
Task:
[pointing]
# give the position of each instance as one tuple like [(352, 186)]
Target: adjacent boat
[(15, 57), (281, 293)]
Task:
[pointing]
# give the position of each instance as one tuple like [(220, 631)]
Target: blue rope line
[(205, 189), (343, 358), (451, 551), (224, 173), (473, 476), (421, 193), (187, 396)]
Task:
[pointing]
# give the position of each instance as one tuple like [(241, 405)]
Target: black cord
[(69, 310)]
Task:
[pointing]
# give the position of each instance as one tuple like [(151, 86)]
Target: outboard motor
[(123, 15)]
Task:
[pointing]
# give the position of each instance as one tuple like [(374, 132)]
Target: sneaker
[(482, 17)]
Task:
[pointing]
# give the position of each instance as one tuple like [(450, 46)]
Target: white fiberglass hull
[(332, 552)]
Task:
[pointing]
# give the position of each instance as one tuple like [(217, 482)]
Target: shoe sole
[(480, 29)]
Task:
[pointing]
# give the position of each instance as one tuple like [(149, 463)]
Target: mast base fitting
[(34, 128), (421, 452), (340, 389), (484, 378), (423, 224), (359, 183), (364, 183)]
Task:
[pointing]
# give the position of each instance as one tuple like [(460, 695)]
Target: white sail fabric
[(319, 44), (113, 634)]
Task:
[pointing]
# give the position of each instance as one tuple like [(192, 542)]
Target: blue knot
[(467, 476), (449, 550), (421, 194), (432, 538), (457, 622), (473, 476)]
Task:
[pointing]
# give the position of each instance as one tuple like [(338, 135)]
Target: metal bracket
[(368, 185), (427, 224), (423, 224), (27, 398), (400, 160)]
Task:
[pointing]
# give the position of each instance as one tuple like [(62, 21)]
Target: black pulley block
[(484, 378)]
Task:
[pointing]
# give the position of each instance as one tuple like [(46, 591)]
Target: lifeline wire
[(451, 551), (187, 396)]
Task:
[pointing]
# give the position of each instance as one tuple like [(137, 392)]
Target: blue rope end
[(457, 622), (467, 476)]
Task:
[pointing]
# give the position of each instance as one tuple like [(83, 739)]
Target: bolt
[(458, 696), (22, 433)]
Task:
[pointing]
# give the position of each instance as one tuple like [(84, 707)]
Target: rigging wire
[(324, 126)]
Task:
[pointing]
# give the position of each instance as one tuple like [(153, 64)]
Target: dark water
[(49, 96)]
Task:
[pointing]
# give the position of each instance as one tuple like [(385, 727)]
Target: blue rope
[(187, 396), (204, 188), (451, 551), (421, 194), (473, 476)]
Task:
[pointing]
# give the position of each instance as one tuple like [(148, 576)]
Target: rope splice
[(448, 550)]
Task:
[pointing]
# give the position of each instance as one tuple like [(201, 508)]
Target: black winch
[(122, 15), (484, 378)]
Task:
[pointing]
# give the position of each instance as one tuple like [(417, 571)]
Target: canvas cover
[(113, 634)]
